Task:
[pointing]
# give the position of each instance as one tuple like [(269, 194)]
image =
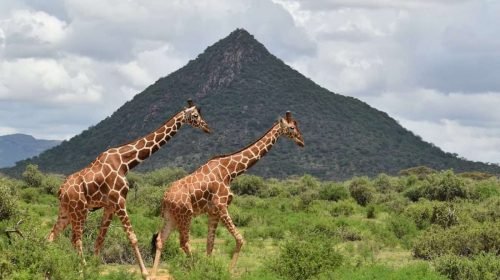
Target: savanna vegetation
[(423, 224)]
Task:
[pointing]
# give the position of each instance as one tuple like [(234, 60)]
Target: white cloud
[(474, 143), (45, 81), (431, 64)]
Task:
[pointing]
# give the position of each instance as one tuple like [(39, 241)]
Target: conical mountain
[(242, 89)]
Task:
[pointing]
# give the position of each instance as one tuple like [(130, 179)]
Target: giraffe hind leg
[(226, 219), (127, 226), (168, 226), (106, 221), (213, 222)]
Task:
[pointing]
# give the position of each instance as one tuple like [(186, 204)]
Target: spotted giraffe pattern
[(207, 190), (102, 184)]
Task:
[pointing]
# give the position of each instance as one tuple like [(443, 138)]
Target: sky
[(433, 65)]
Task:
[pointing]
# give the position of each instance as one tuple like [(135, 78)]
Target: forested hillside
[(242, 89)]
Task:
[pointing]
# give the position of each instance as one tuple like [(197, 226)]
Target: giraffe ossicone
[(207, 190), (102, 184)]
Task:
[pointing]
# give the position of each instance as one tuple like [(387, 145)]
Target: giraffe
[(207, 190), (102, 184)]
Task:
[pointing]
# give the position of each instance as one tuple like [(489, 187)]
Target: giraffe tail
[(153, 244)]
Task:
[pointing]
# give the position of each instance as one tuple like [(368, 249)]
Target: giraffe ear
[(190, 103), (199, 110), (282, 122)]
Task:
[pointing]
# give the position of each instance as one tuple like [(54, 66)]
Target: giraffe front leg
[(61, 223), (106, 221), (160, 239), (122, 214), (228, 222), (213, 222)]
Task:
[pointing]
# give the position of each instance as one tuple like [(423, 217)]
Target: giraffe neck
[(239, 162), (137, 151)]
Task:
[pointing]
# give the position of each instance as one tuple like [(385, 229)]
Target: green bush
[(32, 257), (240, 217), (383, 183), (393, 202), (487, 188), (361, 190), (247, 184), (370, 212), (420, 271), (420, 171), (343, 208), (461, 240), (151, 198), (51, 184), (333, 192), (401, 226), (307, 197), (199, 267), (444, 186), (305, 259), (30, 195), (162, 177), (445, 215), (489, 210), (32, 176), (480, 267), (8, 202)]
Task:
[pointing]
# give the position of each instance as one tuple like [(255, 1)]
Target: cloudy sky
[(434, 65)]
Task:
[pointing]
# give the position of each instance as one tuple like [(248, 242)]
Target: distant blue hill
[(16, 147)]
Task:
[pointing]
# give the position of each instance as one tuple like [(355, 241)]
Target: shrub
[(417, 271), (489, 210), (152, 198), (163, 176), (343, 208), (240, 217), (402, 226), (361, 190), (393, 202), (8, 202), (199, 267), (480, 267), (461, 240), (300, 259), (444, 214), (247, 184), (30, 195), (333, 192), (51, 184), (476, 175), (445, 186), (370, 212), (32, 176), (487, 188), (420, 171), (383, 183), (32, 257), (307, 197)]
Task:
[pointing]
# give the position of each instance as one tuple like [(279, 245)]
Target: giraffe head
[(192, 116), (290, 129)]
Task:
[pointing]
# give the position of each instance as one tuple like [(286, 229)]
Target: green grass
[(381, 247)]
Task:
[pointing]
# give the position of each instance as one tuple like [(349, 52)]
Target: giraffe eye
[(292, 128), (195, 115)]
